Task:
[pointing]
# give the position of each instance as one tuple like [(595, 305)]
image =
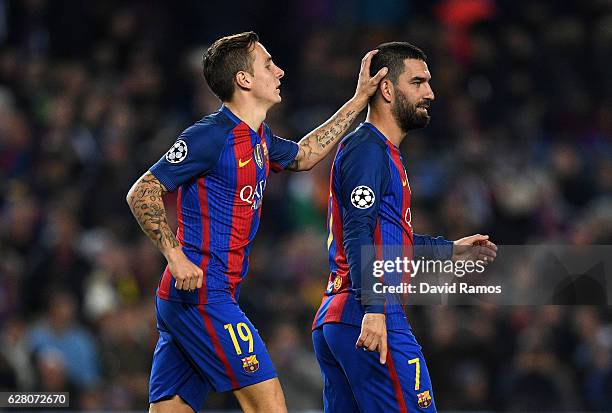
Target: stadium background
[(519, 147)]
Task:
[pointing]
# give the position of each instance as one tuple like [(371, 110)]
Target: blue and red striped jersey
[(220, 166), (369, 211)]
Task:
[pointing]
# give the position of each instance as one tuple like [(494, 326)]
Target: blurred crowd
[(519, 147)]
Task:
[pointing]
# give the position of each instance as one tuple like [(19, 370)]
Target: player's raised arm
[(318, 143)]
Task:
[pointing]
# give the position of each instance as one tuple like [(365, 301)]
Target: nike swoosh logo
[(241, 164), (404, 183)]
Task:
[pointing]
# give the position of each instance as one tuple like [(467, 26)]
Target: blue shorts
[(205, 347), (355, 381)]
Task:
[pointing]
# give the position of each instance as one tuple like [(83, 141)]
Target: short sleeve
[(282, 151), (195, 153)]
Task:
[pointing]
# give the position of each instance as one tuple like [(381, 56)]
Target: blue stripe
[(207, 269), (192, 216), (220, 219), (324, 306), (391, 231), (227, 214), (192, 233), (245, 261), (237, 291), (392, 207), (352, 311)]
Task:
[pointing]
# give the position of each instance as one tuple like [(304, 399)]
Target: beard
[(407, 115)]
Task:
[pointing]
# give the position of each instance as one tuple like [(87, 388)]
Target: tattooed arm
[(145, 201), (318, 143)]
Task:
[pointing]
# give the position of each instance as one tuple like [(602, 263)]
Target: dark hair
[(226, 57), (392, 55)]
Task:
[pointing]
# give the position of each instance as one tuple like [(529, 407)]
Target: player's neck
[(251, 114), (384, 121)]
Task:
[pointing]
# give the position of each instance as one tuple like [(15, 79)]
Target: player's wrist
[(173, 254), (360, 100)]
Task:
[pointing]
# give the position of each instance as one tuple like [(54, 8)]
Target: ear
[(385, 87), (243, 80)]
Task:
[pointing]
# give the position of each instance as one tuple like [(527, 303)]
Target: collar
[(379, 134), (227, 112)]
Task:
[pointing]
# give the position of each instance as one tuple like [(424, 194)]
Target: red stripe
[(407, 240), (210, 329), (163, 290), (205, 246), (179, 214), (276, 167), (379, 252), (242, 213), (395, 156), (378, 240), (335, 308), (164, 283), (340, 257), (266, 159), (407, 251), (314, 322), (397, 387)]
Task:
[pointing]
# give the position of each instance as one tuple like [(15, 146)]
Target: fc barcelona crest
[(424, 399), (257, 154), (337, 283), (250, 363)]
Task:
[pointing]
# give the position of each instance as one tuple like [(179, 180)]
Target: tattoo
[(145, 201), (294, 165), (318, 143)]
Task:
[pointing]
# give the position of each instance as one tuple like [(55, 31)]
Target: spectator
[(73, 346)]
